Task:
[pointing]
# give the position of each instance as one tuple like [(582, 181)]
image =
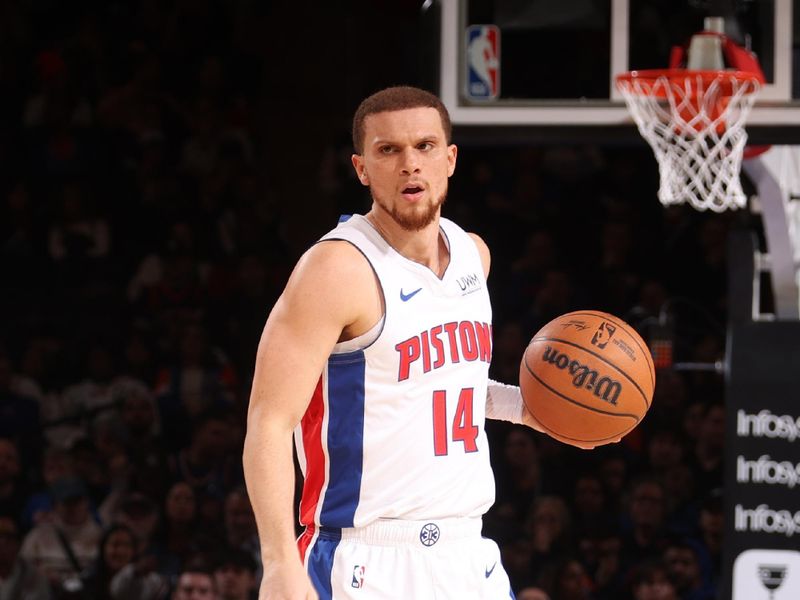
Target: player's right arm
[(325, 296)]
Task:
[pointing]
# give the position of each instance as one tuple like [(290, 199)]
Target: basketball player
[(376, 359)]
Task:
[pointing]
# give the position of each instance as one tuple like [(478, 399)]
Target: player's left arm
[(503, 402)]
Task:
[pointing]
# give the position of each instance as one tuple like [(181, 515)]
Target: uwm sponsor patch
[(603, 387)]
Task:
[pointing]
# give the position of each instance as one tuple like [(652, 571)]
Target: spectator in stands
[(516, 551), (117, 548), (195, 582), (12, 494), (240, 526), (532, 593), (79, 241), (683, 565), (549, 528), (139, 356), (669, 403), (207, 463), (665, 449), (19, 580), (121, 572), (95, 394), (19, 256), (566, 579), (19, 415), (589, 502), (650, 580), (139, 513), (90, 467), (614, 471), (174, 540), (557, 295), (538, 256), (202, 380), (708, 456), (712, 527), (146, 451), (138, 580), (62, 548), (234, 575), (519, 478), (645, 536), (56, 464), (600, 554)]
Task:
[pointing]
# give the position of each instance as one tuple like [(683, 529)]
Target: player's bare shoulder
[(483, 250), (335, 259), (335, 275)]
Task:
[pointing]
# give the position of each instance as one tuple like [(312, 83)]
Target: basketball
[(587, 377)]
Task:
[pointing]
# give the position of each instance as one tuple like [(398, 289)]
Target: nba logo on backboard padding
[(483, 62)]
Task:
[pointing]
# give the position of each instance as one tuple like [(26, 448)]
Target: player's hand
[(286, 580), (529, 420)]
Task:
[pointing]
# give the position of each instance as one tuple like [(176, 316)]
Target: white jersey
[(395, 429)]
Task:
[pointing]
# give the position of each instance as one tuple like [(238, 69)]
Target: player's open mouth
[(412, 192)]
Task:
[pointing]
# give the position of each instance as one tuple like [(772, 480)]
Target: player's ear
[(360, 167), (452, 153)]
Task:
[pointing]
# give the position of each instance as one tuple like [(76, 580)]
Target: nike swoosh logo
[(489, 571), (410, 295)]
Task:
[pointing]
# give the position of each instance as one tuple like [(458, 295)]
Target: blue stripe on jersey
[(345, 438), (320, 562)]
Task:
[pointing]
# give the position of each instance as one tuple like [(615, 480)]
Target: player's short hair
[(390, 99)]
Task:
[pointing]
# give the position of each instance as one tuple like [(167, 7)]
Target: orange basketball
[(587, 377)]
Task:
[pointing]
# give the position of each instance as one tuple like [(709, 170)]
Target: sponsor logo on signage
[(763, 519), (763, 574), (765, 424)]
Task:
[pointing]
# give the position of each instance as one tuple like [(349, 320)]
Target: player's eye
[(425, 146), (386, 149)]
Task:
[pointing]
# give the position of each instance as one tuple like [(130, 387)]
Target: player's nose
[(410, 161)]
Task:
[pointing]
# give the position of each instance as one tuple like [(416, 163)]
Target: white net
[(694, 121)]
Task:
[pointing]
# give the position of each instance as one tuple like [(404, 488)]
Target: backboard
[(556, 59)]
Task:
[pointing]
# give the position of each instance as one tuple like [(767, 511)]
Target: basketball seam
[(539, 379), (610, 364), (623, 325)]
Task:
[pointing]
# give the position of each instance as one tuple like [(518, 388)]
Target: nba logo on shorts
[(483, 62), (358, 576)]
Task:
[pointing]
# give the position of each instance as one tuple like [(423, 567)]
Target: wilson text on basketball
[(604, 387)]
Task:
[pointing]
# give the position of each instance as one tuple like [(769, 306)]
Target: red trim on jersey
[(311, 427), (304, 541)]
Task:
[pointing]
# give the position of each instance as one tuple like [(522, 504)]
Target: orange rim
[(725, 79)]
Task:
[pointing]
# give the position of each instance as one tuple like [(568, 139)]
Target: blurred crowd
[(142, 247)]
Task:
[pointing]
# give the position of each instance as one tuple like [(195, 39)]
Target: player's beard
[(417, 218)]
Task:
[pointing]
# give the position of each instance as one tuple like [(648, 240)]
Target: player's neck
[(425, 246)]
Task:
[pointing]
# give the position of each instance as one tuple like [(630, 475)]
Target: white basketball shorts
[(392, 559)]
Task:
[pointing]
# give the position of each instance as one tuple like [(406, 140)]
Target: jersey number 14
[(463, 430)]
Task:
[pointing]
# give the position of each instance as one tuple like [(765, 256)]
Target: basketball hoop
[(694, 122)]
